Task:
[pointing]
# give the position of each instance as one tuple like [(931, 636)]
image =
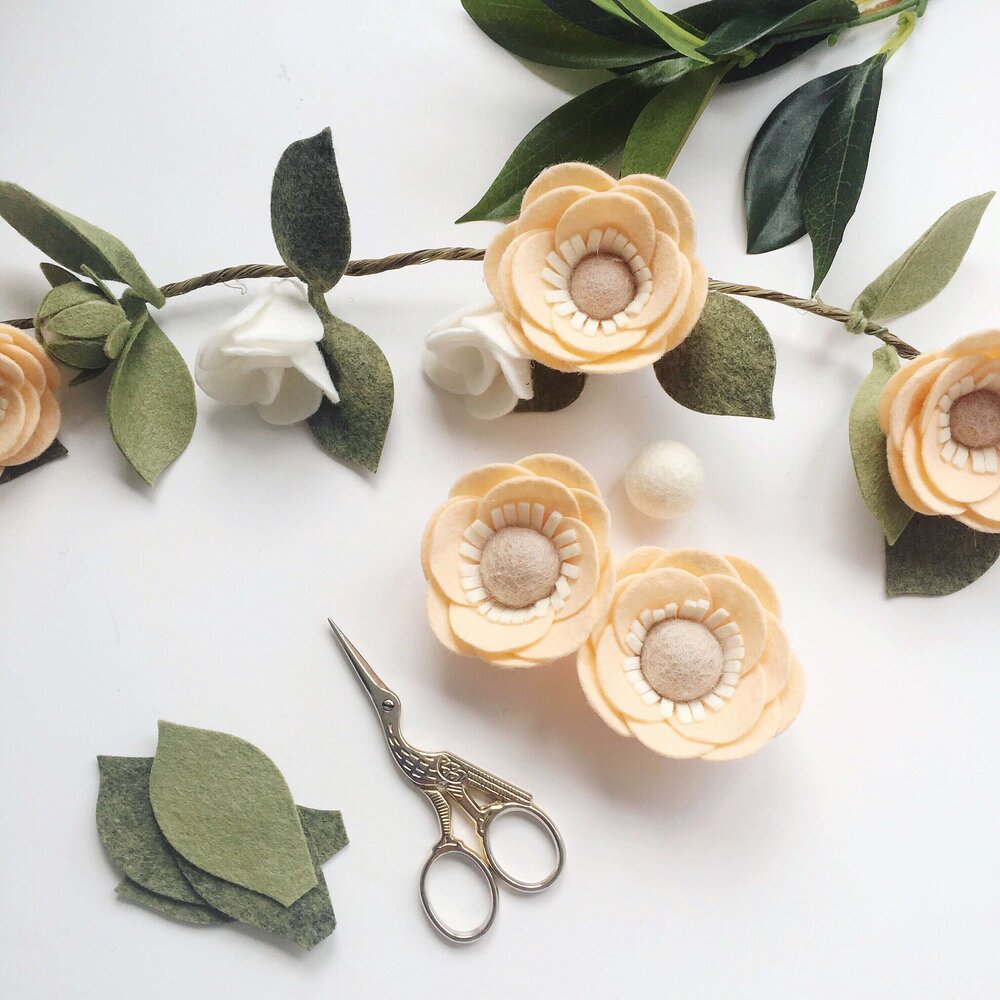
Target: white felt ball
[(665, 479)]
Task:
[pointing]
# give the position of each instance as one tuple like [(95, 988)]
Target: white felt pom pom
[(665, 479)]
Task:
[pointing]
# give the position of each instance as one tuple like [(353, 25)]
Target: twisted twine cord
[(379, 265)]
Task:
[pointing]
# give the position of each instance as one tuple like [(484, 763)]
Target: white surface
[(855, 856)]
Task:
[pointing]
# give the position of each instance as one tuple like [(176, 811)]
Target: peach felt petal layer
[(758, 583), (562, 469), (480, 481), (43, 435), (444, 553), (744, 609), (737, 717), (586, 667), (904, 394), (494, 254), (29, 413), (763, 731), (480, 633), (679, 205), (546, 211), (567, 174), (916, 477), (615, 686), (792, 697), (776, 658), (655, 589)]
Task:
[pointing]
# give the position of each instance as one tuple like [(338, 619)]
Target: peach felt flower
[(29, 413), (691, 658), (598, 275), (941, 417), (517, 562)]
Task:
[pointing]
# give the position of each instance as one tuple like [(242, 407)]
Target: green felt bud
[(75, 320)]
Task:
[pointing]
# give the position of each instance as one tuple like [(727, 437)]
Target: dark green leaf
[(530, 30), (751, 27), (54, 451), (664, 27), (835, 166), (87, 376), (726, 365), (663, 126), (707, 17), (771, 188), (868, 448), (309, 219), (553, 390), (770, 59), (937, 556), (600, 21), (72, 242), (355, 428)]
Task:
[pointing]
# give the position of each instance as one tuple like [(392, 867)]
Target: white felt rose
[(471, 354), (268, 356)]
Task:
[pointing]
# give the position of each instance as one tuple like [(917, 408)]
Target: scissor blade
[(377, 691)]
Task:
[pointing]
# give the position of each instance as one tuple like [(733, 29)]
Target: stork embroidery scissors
[(448, 780)]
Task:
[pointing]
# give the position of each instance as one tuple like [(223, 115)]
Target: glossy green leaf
[(772, 195), (55, 451), (927, 266), (835, 166), (553, 390), (663, 126), (664, 27), (750, 27), (868, 448), (529, 29), (725, 366), (354, 429), (309, 218), (707, 17), (599, 20), (72, 242), (936, 556)]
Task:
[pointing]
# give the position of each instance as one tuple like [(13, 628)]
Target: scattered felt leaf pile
[(207, 832)]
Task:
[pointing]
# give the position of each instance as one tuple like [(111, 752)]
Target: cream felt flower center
[(602, 285), (969, 421), (681, 660), (519, 567)]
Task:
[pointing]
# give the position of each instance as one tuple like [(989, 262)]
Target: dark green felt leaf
[(354, 429), (553, 390), (772, 194), (73, 242), (529, 29), (128, 830), (309, 218), (54, 451), (752, 26), (224, 806), (87, 375), (936, 556), (927, 266), (151, 403), (56, 275), (325, 831), (600, 21), (835, 166), (187, 913), (726, 365), (868, 448)]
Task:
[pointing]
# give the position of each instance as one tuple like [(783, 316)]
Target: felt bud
[(74, 320)]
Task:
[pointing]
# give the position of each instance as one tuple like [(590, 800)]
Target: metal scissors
[(446, 780)]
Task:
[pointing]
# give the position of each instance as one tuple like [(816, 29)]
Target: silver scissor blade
[(377, 691)]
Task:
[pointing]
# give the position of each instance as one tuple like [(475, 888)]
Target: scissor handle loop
[(444, 849), (540, 819)]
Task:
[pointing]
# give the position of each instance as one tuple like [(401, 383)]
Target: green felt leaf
[(224, 806), (56, 275), (664, 27), (727, 364), (553, 390), (868, 448), (772, 194), (936, 556), (600, 20), (325, 831), (592, 128), (151, 402), (129, 833), (927, 266), (66, 295), (663, 126), (529, 29), (83, 355), (55, 451), (73, 242), (309, 218), (87, 375), (355, 428), (187, 913), (754, 25), (124, 333), (86, 321), (96, 279), (835, 167)]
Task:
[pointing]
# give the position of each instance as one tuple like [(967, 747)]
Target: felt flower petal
[(695, 561), (792, 697), (961, 485), (901, 481), (529, 261), (736, 718), (586, 669), (659, 737), (916, 476), (494, 253), (671, 280), (614, 685), (564, 638), (29, 365), (986, 342), (563, 469), (479, 482), (903, 396), (587, 563), (609, 209), (543, 343), (309, 362), (28, 343), (663, 215), (44, 433), (479, 632), (763, 731), (567, 174), (446, 535), (546, 210), (496, 401), (680, 206), (296, 399), (12, 420), (744, 609), (776, 658), (655, 589), (679, 322), (11, 373), (32, 403), (552, 495), (954, 372), (437, 615), (758, 583), (639, 560), (989, 509), (595, 515)]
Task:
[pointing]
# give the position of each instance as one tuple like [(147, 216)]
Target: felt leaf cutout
[(151, 403), (224, 807), (772, 193), (73, 242), (528, 28), (868, 449), (87, 375), (553, 390), (601, 21), (835, 167), (56, 275), (727, 364), (936, 556), (745, 29), (84, 355), (187, 913), (325, 831), (129, 832), (54, 451), (663, 126), (355, 428), (309, 218), (927, 266)]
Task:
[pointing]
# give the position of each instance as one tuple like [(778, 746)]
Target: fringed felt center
[(519, 566), (681, 660), (975, 419), (602, 285)]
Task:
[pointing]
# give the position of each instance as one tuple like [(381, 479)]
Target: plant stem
[(379, 265)]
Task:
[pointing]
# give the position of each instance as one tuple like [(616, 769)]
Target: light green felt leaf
[(151, 402), (73, 242), (725, 366), (83, 355), (927, 266), (224, 806), (65, 295), (187, 913), (868, 448), (663, 126), (355, 428), (54, 451), (87, 321), (936, 556), (56, 275), (553, 390), (309, 218), (128, 829)]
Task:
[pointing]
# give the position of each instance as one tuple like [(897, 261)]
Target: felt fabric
[(551, 390), (55, 451), (519, 567), (56, 275), (664, 480), (187, 913), (975, 419), (681, 660), (29, 413), (225, 807)]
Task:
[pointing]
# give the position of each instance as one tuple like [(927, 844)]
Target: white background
[(854, 856)]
